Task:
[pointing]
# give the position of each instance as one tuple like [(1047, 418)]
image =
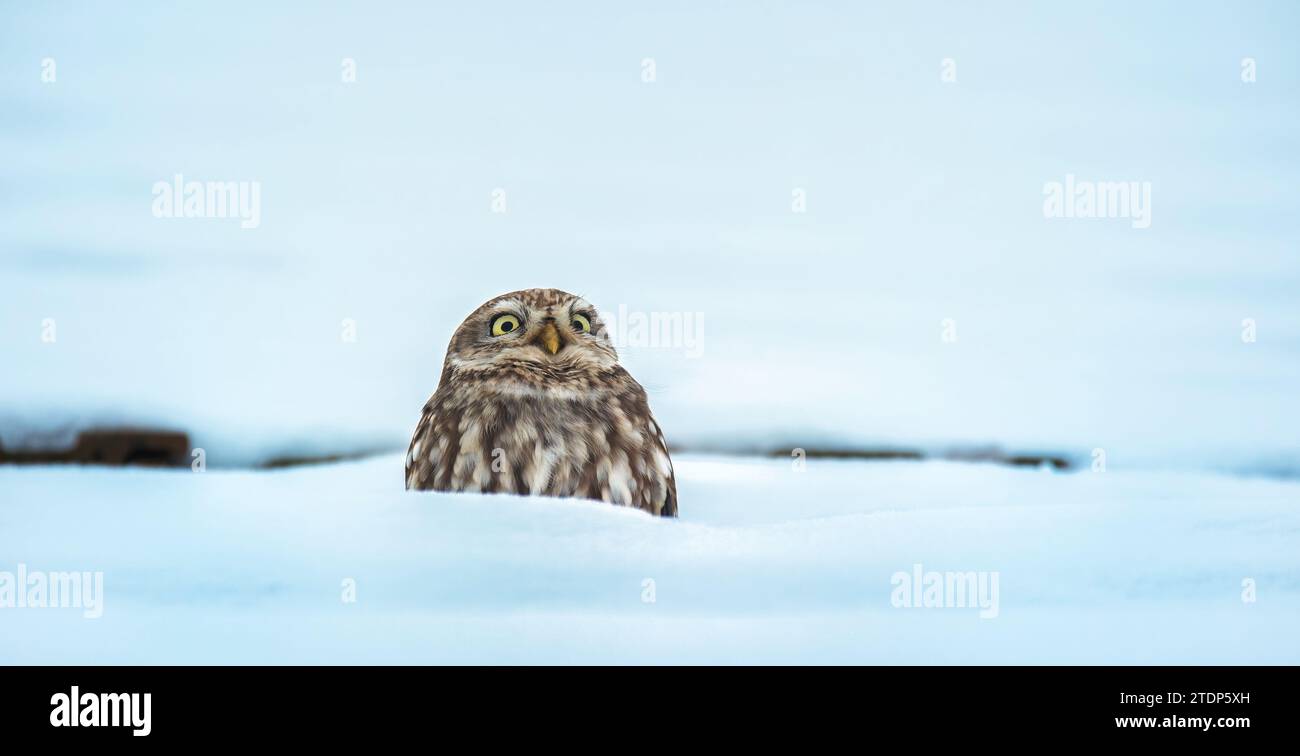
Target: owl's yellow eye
[(503, 324), (581, 323)]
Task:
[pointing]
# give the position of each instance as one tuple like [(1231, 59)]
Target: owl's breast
[(548, 443)]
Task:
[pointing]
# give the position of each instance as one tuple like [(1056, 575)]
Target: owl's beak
[(549, 338)]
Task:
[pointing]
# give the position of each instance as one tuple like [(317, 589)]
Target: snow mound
[(766, 564)]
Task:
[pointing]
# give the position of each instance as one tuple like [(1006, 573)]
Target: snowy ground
[(765, 565)]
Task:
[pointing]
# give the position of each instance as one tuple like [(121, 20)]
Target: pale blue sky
[(924, 202)]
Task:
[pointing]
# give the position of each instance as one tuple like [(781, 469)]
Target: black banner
[(331, 704)]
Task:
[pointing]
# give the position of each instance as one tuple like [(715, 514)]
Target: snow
[(766, 564), (818, 330)]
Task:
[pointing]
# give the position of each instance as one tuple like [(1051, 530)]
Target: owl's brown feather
[(511, 416)]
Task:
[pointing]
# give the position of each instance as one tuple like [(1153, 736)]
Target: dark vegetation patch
[(149, 447), (116, 447)]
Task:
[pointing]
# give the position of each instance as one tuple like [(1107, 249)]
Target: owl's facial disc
[(533, 329), (545, 328)]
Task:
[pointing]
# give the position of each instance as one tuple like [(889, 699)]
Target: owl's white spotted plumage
[(532, 400)]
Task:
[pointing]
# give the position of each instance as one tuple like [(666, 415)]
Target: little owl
[(532, 400)]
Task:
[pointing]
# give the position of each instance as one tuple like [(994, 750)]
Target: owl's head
[(547, 329)]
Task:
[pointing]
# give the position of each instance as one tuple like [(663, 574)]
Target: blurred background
[(653, 157)]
